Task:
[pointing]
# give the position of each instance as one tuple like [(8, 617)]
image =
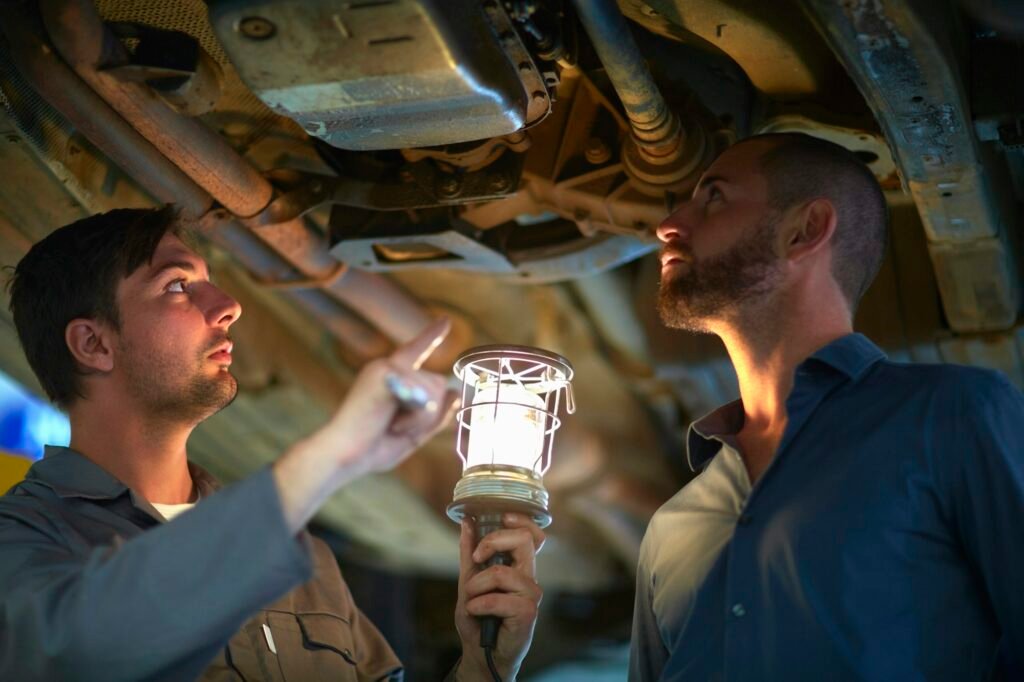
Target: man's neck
[(765, 349), (148, 455)]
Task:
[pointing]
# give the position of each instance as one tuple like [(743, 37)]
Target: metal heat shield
[(376, 75)]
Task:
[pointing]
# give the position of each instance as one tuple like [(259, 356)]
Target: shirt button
[(738, 610), (744, 519)]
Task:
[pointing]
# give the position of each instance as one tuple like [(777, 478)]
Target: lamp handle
[(486, 524)]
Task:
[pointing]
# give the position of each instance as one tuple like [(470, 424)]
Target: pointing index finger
[(414, 353)]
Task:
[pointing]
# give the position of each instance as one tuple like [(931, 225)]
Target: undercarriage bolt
[(596, 151), (449, 186), (257, 28), (499, 183)]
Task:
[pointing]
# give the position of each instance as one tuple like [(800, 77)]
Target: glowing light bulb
[(509, 433)]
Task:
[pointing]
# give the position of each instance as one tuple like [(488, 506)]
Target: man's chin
[(228, 389), (217, 393), (684, 321), (676, 312)]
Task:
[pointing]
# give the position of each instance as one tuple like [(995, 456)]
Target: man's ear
[(811, 228), (90, 343)]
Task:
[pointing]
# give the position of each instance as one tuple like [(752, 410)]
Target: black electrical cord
[(489, 655), (489, 625), (487, 523)]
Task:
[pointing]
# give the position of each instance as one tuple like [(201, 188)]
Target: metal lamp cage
[(538, 371)]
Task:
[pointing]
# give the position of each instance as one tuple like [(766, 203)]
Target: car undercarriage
[(356, 168)]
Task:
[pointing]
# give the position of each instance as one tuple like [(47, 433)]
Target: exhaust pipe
[(80, 37)]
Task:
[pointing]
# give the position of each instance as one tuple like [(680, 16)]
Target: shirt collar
[(706, 435), (71, 474), (850, 355)]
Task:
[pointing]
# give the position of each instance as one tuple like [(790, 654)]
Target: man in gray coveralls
[(124, 329)]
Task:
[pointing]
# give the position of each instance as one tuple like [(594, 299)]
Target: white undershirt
[(169, 511)]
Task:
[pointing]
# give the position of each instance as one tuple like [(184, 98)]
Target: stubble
[(176, 390), (700, 292)]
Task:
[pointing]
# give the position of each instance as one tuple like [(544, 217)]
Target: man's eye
[(178, 286), (714, 193)]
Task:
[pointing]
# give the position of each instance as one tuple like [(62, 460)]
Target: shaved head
[(800, 168)]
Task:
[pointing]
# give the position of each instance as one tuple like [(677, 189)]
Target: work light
[(511, 399)]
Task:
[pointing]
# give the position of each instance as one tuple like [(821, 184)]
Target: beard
[(176, 393), (699, 292)]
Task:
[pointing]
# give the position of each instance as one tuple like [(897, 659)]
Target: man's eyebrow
[(708, 180), (188, 266)]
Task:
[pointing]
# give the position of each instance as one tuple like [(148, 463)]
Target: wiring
[(489, 655)]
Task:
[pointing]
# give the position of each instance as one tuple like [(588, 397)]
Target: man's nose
[(223, 310), (675, 225)]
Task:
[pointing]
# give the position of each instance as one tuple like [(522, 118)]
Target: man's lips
[(222, 353), (669, 258)]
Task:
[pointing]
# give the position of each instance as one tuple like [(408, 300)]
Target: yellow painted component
[(12, 469)]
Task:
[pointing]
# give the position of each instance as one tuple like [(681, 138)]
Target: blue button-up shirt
[(884, 542)]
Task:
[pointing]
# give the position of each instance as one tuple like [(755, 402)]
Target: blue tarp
[(27, 423)]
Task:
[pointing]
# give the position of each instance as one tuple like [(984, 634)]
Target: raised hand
[(371, 431), (377, 431)]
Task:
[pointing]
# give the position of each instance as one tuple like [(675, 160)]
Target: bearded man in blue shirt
[(854, 518)]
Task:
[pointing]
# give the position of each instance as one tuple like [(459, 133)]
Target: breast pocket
[(314, 647), (278, 646)]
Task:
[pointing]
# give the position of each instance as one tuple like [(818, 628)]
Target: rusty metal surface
[(236, 184), (239, 113), (563, 182), (65, 92), (535, 84), (773, 42), (418, 184), (475, 157), (304, 249), (78, 34), (901, 57), (648, 113), (173, 63), (662, 152)]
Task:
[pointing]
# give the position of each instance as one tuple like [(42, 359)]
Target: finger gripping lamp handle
[(489, 625)]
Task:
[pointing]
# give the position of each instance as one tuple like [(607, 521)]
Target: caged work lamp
[(511, 398)]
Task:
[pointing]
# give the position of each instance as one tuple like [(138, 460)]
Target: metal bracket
[(899, 56), (455, 247)]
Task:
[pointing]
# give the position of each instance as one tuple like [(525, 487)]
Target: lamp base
[(497, 489)]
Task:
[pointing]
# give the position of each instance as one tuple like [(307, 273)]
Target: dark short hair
[(800, 168), (73, 273)]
